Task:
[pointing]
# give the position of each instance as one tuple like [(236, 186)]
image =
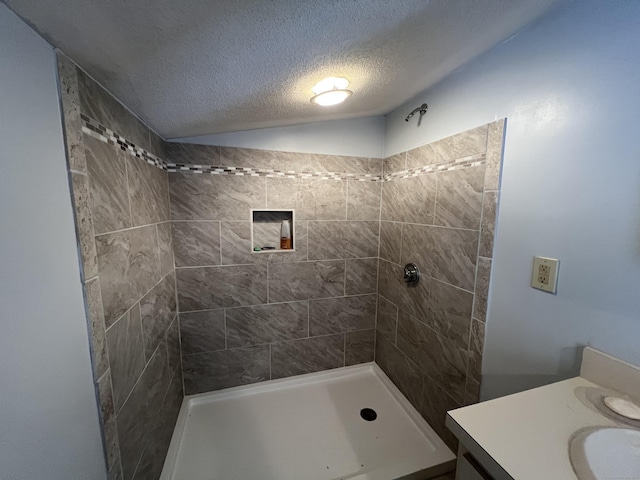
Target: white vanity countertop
[(525, 436)]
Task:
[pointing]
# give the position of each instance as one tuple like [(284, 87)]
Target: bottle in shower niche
[(285, 235)]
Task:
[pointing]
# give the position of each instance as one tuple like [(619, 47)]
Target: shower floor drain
[(368, 414)]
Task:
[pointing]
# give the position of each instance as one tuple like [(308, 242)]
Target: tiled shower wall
[(430, 337), (247, 317), (124, 237)]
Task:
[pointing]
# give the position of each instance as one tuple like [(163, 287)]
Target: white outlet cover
[(550, 285)]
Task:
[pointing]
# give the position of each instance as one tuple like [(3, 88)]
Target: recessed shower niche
[(268, 228)]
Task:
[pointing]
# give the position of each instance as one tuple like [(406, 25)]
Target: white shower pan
[(306, 428)]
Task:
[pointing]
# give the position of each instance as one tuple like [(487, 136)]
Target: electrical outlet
[(544, 275)]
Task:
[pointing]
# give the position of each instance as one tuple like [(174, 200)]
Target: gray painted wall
[(568, 87), (48, 413)]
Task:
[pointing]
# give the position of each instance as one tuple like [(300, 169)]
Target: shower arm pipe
[(422, 109)]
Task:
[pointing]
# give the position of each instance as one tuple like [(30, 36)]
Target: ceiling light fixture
[(330, 91)]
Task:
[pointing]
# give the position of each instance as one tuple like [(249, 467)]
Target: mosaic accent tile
[(99, 104)]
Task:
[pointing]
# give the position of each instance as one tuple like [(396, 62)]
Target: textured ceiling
[(195, 67)]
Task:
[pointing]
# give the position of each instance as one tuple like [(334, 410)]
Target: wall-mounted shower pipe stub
[(411, 274)]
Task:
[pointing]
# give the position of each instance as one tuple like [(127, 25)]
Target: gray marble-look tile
[(148, 192), (235, 244), (157, 310), (129, 266), (342, 314), (108, 415), (165, 247), (105, 398), (390, 241), (215, 197), (107, 186), (413, 299), (70, 99), (202, 331), (340, 163), (306, 355), (172, 337), (204, 372), (438, 357), (361, 276), (363, 200), (435, 404), (305, 280), (112, 444), (447, 254), (196, 244), (84, 225), (312, 199), (470, 142), (100, 360), (449, 311), (157, 145), (116, 471), (488, 227), (387, 321), (459, 198), (158, 440), (352, 239), (472, 392), (267, 323), (260, 159), (495, 145), (126, 354), (139, 415), (395, 163), (409, 199), (483, 277), (99, 104), (476, 348), (209, 288), (400, 369), (359, 347), (192, 154)]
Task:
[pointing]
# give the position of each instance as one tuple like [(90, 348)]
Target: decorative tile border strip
[(102, 133)]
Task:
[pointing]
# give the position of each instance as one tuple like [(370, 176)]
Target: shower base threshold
[(309, 427)]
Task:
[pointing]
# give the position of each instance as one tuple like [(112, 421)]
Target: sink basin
[(606, 453)]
